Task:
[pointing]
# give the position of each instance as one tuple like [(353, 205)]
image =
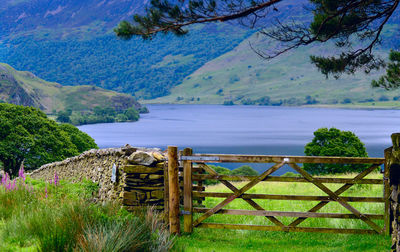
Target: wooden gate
[(191, 175)]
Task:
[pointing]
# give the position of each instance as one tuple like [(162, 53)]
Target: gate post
[(394, 182), (386, 192), (187, 192), (173, 181)]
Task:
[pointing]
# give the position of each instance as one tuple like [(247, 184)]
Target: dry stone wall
[(133, 176)]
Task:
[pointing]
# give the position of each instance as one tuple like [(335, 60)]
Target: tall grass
[(61, 217)]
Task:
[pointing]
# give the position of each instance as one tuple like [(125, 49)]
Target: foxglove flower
[(21, 172), (56, 180)]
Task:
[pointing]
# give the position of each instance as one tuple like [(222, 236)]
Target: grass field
[(241, 240), (42, 216)]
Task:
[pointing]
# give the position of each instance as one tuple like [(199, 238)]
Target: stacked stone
[(96, 166), (395, 223), (144, 183), (393, 163)]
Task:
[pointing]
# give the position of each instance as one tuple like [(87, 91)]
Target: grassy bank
[(59, 216), (239, 240)]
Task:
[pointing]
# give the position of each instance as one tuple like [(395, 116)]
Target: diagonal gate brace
[(238, 193)]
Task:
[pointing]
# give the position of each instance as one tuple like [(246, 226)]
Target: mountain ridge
[(24, 88), (74, 45)]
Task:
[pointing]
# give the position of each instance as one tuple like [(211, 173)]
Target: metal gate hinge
[(183, 212)]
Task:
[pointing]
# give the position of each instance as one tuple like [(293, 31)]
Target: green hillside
[(24, 88), (242, 77)]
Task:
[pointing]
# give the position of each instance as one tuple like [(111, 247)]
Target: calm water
[(245, 129)]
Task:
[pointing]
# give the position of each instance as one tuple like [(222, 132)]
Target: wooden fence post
[(386, 192), (173, 181), (187, 192)]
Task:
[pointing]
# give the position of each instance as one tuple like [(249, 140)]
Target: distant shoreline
[(362, 106)]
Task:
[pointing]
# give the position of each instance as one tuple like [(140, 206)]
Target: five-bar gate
[(191, 175)]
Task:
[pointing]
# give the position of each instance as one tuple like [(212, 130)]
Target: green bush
[(333, 142), (221, 171), (291, 174), (228, 103), (244, 170)]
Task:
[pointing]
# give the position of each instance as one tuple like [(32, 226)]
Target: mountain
[(71, 42), (24, 88), (290, 80), (61, 17)]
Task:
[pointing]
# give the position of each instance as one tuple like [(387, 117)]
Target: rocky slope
[(24, 88)]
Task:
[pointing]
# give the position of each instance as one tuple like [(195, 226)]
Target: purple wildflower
[(56, 180), (45, 191), (21, 172), (5, 179)]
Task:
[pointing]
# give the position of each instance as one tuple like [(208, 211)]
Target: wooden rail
[(288, 197), (288, 214), (200, 177), (201, 172), (231, 158), (286, 228)]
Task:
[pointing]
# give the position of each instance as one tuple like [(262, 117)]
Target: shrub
[(228, 103), (248, 101), (333, 142), (291, 174), (221, 171), (244, 170), (346, 101), (383, 98)]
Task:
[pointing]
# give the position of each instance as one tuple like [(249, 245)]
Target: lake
[(245, 129)]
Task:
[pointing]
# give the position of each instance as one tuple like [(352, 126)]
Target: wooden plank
[(173, 181), (288, 197), (198, 158), (238, 193), (201, 177), (235, 190), (341, 201), (287, 214), (231, 158), (187, 191), (386, 192), (339, 191), (291, 229)]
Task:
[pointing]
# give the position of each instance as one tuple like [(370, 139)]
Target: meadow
[(60, 216), (203, 239)]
